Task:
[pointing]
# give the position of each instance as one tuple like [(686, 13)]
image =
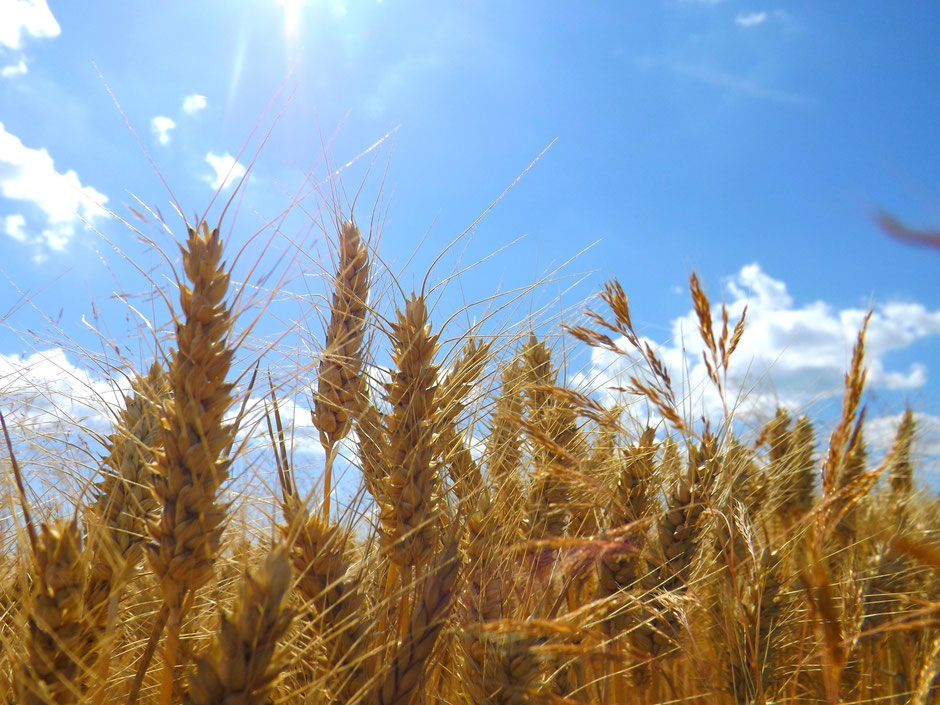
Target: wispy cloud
[(739, 84), (30, 175), (226, 171), (161, 126), (750, 19), (192, 104), (25, 18)]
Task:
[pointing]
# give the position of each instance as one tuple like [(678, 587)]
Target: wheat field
[(507, 538)]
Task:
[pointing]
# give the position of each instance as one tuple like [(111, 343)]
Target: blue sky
[(748, 141)]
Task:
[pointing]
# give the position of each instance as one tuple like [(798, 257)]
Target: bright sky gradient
[(750, 142)]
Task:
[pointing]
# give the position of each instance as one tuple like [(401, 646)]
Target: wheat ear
[(451, 450), (551, 426), (404, 679), (633, 500), (319, 552), (323, 551), (123, 498), (794, 471), (504, 448), (243, 664), (901, 470), (409, 490), (320, 555), (496, 668), (193, 463), (680, 526), (59, 653), (123, 503), (339, 378)]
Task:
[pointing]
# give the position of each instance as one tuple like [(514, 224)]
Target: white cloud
[(300, 435), (14, 226), (789, 355), (30, 175), (55, 409), (161, 126), (45, 389), (750, 19), (881, 431), (227, 170), (47, 393), (17, 69), (25, 18), (192, 104)]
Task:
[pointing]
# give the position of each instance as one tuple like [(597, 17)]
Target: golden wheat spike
[(59, 652), (404, 678), (409, 490), (339, 396), (244, 661), (193, 463)]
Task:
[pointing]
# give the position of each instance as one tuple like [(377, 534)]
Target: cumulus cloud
[(60, 199), (750, 19), (160, 126), (58, 409), (25, 18), (17, 69), (226, 170), (192, 104), (45, 389), (790, 354), (300, 435)]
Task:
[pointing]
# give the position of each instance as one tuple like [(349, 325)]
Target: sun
[(292, 16)]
